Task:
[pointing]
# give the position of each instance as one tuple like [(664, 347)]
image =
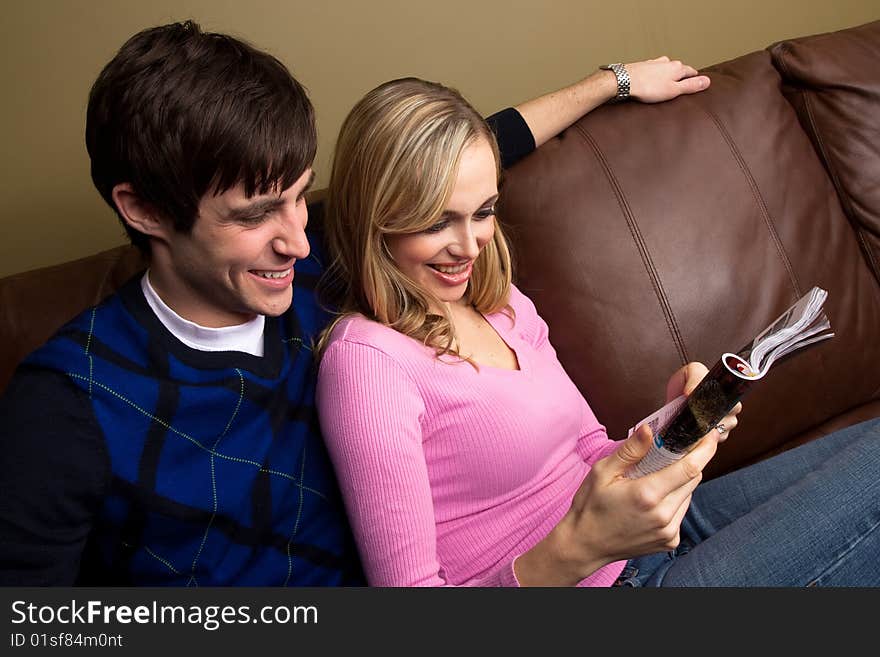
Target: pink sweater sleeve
[(370, 412)]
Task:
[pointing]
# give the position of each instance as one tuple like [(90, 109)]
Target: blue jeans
[(807, 517)]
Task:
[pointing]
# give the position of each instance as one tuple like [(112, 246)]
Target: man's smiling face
[(238, 260)]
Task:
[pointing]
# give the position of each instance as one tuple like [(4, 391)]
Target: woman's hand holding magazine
[(682, 422)]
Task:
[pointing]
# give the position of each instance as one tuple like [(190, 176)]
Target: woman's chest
[(495, 430)]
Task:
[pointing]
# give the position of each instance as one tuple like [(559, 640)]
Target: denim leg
[(809, 516), (717, 503)]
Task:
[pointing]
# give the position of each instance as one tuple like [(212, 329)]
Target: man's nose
[(291, 240)]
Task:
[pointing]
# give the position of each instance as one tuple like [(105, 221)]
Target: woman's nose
[(466, 243)]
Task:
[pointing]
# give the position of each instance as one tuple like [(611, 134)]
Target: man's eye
[(260, 217)]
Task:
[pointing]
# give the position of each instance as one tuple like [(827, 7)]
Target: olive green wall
[(497, 52)]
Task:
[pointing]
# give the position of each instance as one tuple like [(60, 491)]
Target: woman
[(465, 454)]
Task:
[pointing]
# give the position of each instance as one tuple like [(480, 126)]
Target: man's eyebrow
[(255, 209), (265, 205)]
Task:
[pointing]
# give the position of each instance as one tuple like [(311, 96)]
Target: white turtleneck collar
[(247, 337)]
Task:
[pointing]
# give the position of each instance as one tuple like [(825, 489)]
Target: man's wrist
[(608, 83), (622, 80)]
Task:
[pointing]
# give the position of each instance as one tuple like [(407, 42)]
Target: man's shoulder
[(111, 325)]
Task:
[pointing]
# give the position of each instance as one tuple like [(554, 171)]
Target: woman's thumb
[(634, 448)]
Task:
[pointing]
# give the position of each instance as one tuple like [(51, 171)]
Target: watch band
[(622, 76)]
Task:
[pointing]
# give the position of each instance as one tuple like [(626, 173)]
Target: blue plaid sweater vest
[(217, 471)]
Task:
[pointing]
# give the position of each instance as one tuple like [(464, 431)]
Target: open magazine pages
[(797, 327), (682, 422)]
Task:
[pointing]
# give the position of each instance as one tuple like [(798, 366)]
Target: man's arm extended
[(651, 81)]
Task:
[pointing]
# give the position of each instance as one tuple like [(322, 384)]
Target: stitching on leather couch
[(759, 200), (642, 247)]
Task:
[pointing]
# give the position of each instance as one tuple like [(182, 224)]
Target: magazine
[(680, 424)]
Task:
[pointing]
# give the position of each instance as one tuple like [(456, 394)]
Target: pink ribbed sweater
[(449, 474)]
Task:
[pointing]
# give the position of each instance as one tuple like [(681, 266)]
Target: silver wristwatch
[(622, 76)]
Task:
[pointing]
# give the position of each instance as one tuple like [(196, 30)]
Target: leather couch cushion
[(37, 303), (652, 235), (833, 82)]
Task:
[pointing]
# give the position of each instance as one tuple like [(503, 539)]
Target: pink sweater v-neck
[(450, 473)]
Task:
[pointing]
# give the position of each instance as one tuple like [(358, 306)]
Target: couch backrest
[(37, 303), (832, 82), (651, 235)]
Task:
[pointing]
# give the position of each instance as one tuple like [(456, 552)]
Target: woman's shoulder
[(526, 321), (520, 302), (524, 311), (358, 328), (356, 342), (361, 330)]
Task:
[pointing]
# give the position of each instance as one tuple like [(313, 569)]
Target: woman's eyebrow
[(452, 214)]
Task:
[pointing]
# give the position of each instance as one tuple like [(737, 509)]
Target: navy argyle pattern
[(219, 473)]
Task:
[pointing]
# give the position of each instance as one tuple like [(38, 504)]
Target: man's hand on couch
[(657, 80)]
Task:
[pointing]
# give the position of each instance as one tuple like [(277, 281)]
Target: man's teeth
[(446, 269), (272, 274)]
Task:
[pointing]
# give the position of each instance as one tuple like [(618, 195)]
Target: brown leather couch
[(652, 235)]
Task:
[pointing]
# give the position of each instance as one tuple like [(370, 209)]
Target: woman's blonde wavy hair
[(394, 169)]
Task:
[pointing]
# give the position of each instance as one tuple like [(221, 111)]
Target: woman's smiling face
[(441, 258)]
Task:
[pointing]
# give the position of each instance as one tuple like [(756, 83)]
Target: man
[(168, 436)]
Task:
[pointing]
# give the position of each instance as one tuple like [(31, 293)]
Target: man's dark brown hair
[(178, 113)]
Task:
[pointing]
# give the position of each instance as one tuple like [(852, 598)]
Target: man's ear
[(138, 213)]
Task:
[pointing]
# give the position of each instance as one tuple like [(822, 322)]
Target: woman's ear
[(138, 213)]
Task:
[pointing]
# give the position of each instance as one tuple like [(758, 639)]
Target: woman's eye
[(436, 228), (485, 213)]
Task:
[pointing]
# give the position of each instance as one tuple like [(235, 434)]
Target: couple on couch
[(214, 424)]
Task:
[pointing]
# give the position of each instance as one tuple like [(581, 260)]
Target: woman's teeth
[(447, 269)]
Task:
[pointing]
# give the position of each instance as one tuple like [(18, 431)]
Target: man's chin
[(277, 307), (275, 313)]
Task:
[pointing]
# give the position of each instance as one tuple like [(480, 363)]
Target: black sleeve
[(515, 139), (54, 470)]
